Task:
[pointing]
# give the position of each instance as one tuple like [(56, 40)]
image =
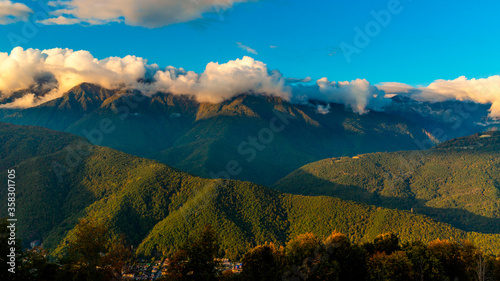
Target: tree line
[(94, 254)]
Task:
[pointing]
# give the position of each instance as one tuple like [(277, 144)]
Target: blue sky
[(427, 40)]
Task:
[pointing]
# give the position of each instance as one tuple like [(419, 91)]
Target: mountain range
[(62, 178), (445, 120), (248, 137), (157, 168)]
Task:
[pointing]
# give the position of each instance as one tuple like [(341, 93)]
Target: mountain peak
[(91, 91), (85, 97)]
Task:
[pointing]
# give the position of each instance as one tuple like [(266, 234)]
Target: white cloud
[(358, 94), (146, 13), (222, 81), (321, 109), (246, 48), (21, 69), (485, 90), (65, 68), (13, 12), (31, 100), (60, 20), (395, 87)]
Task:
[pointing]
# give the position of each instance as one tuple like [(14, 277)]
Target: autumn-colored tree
[(264, 262), (94, 254), (307, 259), (450, 257), (351, 259), (425, 265), (302, 247), (178, 268), (390, 267), (475, 260)]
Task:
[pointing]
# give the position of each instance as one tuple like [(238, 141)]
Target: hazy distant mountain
[(446, 119), (249, 137), (457, 182), (61, 178)]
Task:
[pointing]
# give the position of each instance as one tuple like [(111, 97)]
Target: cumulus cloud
[(21, 69), (57, 70), (484, 91), (146, 13), (358, 94), (246, 48), (222, 81), (13, 12), (63, 69)]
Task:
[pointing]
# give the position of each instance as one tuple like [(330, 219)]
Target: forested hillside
[(157, 207), (456, 182)]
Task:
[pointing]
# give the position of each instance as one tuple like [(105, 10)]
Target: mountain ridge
[(455, 182), (202, 138)]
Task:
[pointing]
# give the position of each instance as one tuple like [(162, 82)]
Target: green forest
[(456, 182), (94, 254), (157, 207), (147, 210)]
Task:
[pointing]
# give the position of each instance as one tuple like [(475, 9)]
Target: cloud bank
[(222, 81), (358, 94), (62, 69), (145, 13), (57, 70), (484, 91), (13, 12), (24, 68)]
